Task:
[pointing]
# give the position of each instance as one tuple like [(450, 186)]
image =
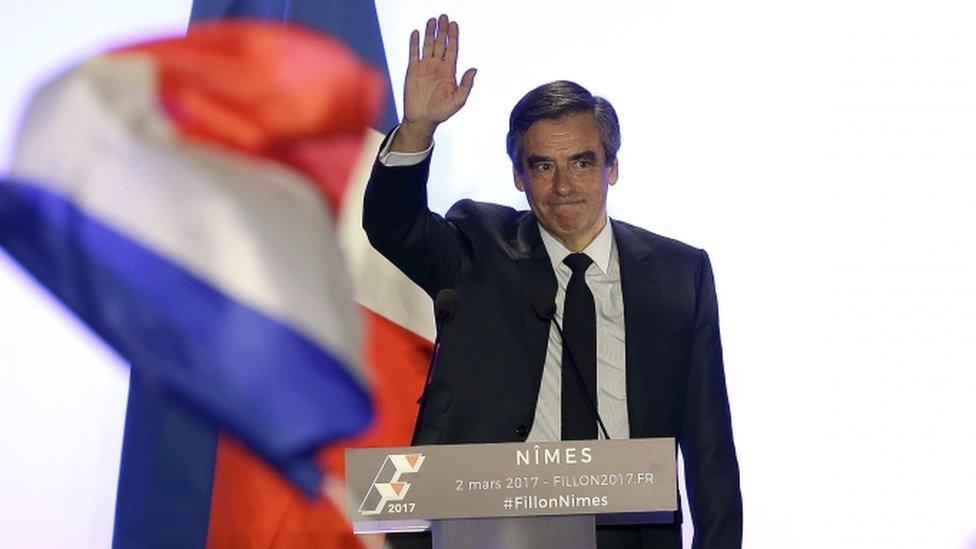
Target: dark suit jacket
[(485, 385)]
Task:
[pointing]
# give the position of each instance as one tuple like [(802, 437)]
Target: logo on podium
[(387, 485)]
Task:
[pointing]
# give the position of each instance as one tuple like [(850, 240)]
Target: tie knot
[(578, 262)]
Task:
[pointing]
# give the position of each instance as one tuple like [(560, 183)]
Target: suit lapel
[(641, 295), (538, 283)]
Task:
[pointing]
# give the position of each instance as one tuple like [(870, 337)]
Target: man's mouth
[(566, 203)]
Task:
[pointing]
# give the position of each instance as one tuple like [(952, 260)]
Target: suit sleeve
[(711, 468), (426, 247)]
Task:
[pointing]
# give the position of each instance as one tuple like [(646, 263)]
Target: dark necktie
[(579, 329)]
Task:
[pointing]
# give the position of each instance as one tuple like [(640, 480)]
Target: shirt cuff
[(392, 159)]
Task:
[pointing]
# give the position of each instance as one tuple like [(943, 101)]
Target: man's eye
[(543, 166), (583, 164)]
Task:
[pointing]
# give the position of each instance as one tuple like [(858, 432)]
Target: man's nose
[(561, 181)]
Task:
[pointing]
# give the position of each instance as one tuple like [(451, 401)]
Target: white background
[(822, 152)]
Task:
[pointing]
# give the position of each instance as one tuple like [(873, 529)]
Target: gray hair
[(556, 100)]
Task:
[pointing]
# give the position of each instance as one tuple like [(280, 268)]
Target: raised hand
[(431, 92)]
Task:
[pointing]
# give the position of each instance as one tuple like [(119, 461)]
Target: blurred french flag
[(197, 201)]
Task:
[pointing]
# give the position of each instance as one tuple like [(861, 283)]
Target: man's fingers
[(429, 37), (440, 40), (464, 88), (452, 42), (414, 46)]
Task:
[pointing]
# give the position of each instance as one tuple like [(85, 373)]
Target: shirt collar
[(598, 250)]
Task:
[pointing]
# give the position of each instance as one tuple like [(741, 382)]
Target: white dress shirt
[(603, 279)]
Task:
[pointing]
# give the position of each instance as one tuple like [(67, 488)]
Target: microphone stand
[(445, 305), (547, 311)]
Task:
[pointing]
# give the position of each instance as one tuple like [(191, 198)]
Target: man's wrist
[(413, 137), (390, 158)]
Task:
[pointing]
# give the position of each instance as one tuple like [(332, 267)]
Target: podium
[(512, 495)]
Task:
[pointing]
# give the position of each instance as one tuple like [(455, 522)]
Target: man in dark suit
[(639, 309)]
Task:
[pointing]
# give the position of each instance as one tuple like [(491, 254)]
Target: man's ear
[(517, 175), (612, 172)]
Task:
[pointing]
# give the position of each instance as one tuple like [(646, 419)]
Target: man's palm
[(431, 92)]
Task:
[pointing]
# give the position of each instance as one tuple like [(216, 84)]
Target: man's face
[(565, 177)]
